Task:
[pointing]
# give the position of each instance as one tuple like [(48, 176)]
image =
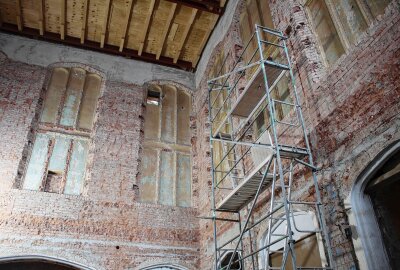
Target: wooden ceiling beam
[(146, 27), (166, 30), (204, 40), (41, 17), (126, 25), (19, 15), (212, 6), (84, 20), (94, 46), (185, 35), (63, 17), (105, 23)]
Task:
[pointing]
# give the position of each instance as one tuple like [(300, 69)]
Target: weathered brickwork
[(106, 227), (351, 111)]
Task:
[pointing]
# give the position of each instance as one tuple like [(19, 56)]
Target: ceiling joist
[(204, 40), (105, 23), (84, 20), (128, 16), (63, 16), (185, 35), (146, 26), (41, 17), (166, 30), (19, 15), (203, 5)]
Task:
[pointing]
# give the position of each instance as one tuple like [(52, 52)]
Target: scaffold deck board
[(255, 90), (243, 193)]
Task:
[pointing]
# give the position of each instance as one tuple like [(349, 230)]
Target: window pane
[(326, 31), (152, 123), (73, 97), (149, 176), (88, 107), (57, 86), (183, 131), (351, 17), (35, 171), (77, 167), (307, 254), (57, 165), (168, 122), (183, 186), (167, 178), (376, 7)]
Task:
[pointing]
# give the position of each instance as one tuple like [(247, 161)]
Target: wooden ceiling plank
[(63, 17), (84, 21), (126, 25), (41, 17), (146, 27), (166, 30), (105, 23), (185, 35), (19, 16), (204, 40)]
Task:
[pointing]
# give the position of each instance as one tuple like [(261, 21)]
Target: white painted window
[(166, 159), (59, 155), (339, 23)]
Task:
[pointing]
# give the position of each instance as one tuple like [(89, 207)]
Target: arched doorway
[(375, 200), (32, 265), (164, 267), (35, 262)]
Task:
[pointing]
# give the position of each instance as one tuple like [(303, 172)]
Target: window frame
[(159, 145), (74, 133), (338, 24)]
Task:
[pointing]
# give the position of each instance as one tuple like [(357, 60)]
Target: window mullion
[(338, 25), (50, 148), (66, 169), (63, 98)]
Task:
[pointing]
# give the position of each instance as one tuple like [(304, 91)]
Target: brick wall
[(106, 227), (351, 112)]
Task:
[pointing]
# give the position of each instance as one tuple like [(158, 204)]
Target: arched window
[(225, 258), (166, 163), (58, 158), (307, 245)]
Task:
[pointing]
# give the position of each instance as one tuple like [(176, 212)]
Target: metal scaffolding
[(259, 152)]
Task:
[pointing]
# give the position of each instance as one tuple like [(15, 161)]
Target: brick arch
[(67, 264)]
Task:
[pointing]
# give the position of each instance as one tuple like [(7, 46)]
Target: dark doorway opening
[(34, 265), (384, 192)]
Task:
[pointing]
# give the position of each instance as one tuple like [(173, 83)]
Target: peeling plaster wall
[(116, 68)]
